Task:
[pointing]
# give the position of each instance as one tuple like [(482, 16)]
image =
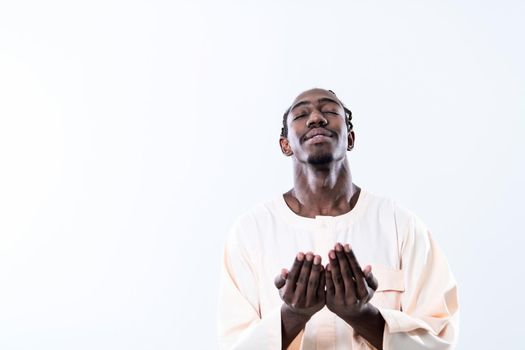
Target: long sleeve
[(429, 305), (416, 294), (240, 323)]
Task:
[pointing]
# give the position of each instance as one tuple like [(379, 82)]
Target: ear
[(285, 146), (351, 140)]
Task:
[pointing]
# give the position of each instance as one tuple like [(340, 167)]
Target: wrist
[(291, 314), (366, 313), (292, 323)]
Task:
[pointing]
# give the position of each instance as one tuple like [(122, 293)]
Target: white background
[(133, 133)]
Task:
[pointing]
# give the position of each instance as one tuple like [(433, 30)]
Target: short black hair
[(348, 118)]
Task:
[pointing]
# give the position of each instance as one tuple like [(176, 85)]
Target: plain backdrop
[(133, 133)]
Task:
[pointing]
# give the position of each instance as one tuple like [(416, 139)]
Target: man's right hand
[(303, 294), (303, 288)]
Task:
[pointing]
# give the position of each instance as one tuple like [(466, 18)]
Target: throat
[(322, 203)]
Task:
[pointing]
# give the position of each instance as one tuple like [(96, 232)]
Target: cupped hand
[(348, 287), (302, 289)]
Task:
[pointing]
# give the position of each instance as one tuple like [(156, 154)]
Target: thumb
[(369, 277), (280, 280)]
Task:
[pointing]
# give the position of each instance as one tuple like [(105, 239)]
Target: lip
[(317, 132), (318, 138)]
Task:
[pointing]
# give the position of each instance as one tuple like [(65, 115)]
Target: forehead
[(313, 95)]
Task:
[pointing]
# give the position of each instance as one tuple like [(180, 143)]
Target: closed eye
[(299, 116)]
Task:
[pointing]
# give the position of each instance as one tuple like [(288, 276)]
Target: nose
[(316, 118)]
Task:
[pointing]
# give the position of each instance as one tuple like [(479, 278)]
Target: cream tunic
[(416, 295)]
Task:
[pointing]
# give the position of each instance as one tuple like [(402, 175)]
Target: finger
[(313, 281), (370, 278), (304, 276), (354, 264), (346, 272), (330, 287), (293, 275), (337, 278), (322, 284), (361, 290)]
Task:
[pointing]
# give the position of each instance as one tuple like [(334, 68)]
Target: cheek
[(295, 145), (294, 135)]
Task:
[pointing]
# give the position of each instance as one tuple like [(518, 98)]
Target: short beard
[(320, 159)]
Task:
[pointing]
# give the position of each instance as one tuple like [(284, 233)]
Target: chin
[(320, 159)]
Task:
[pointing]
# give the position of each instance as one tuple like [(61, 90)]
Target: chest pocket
[(391, 286)]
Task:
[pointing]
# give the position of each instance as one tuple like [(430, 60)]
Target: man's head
[(317, 128)]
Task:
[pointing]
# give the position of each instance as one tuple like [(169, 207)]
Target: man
[(405, 296)]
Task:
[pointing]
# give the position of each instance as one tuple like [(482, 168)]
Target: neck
[(322, 190)]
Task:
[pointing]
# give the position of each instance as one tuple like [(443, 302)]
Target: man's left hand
[(348, 292), (348, 287)]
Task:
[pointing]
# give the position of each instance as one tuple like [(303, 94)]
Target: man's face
[(317, 129)]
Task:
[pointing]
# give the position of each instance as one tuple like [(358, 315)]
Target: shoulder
[(375, 203), (406, 222), (381, 207), (249, 225)]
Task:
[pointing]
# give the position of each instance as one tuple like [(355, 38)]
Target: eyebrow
[(321, 100)]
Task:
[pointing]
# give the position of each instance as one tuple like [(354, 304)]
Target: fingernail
[(347, 248), (309, 256), (317, 260), (331, 254), (338, 247), (300, 256)]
